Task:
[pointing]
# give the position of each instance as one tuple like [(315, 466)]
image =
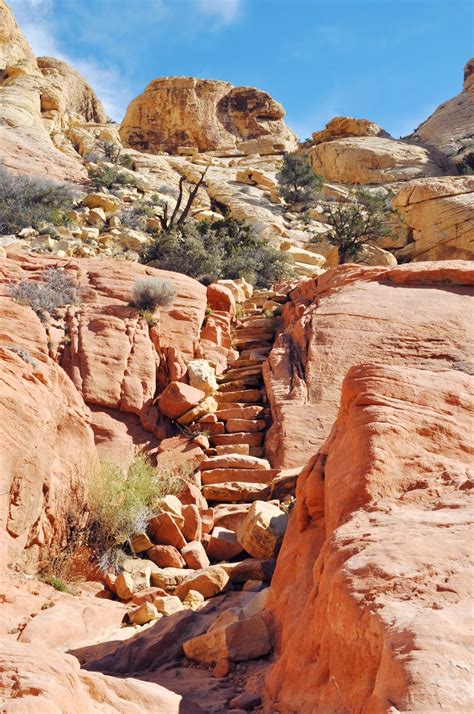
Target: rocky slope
[(317, 433), (451, 126)]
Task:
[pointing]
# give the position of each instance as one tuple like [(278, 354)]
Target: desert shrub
[(136, 215), (26, 201), (297, 182), (108, 176), (353, 224), (150, 293), (224, 249), (207, 280), (121, 505), (55, 290), (56, 582), (24, 354)]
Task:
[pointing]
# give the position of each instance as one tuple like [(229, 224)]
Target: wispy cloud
[(35, 18), (224, 12)]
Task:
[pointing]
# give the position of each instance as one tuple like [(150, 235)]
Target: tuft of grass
[(121, 504), (56, 582)]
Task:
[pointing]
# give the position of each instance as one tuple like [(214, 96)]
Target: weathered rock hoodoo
[(451, 127), (207, 115)]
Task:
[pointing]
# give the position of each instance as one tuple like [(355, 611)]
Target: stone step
[(237, 384), (236, 492), (235, 461), (256, 321), (241, 475), (247, 343), (254, 439), (257, 352), (253, 334), (240, 411), (240, 373), (249, 396), (245, 425), (208, 428), (241, 449)]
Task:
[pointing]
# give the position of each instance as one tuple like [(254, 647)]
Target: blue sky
[(391, 61)]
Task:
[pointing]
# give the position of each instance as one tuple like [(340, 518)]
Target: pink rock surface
[(413, 315), (372, 588)]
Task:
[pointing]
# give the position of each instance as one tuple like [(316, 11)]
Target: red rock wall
[(372, 587), (371, 592), (415, 315)]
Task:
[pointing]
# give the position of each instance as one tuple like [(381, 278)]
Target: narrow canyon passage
[(234, 475)]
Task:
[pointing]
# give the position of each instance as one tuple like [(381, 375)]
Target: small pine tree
[(354, 224), (297, 181)]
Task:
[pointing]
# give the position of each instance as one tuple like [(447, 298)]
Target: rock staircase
[(236, 470)]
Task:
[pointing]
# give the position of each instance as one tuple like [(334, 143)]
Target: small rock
[(222, 668), (168, 605), (253, 586), (263, 530), (164, 530), (147, 595), (140, 542), (166, 556), (193, 600), (192, 528), (178, 398), (245, 701), (143, 614)]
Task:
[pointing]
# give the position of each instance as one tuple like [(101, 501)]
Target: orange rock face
[(412, 315), (371, 591)]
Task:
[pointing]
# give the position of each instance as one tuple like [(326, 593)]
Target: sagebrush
[(55, 289), (28, 201), (150, 293)]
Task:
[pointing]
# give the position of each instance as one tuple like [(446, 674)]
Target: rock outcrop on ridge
[(39, 101), (451, 126), (205, 115)]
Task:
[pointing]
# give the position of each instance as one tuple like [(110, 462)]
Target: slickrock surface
[(414, 315), (206, 115), (372, 587), (439, 216), (451, 126), (375, 160)]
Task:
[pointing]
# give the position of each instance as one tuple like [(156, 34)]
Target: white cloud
[(224, 11)]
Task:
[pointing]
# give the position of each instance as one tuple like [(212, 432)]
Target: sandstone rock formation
[(439, 216), (372, 585), (375, 160), (410, 314), (206, 115), (451, 126), (343, 127), (38, 103)]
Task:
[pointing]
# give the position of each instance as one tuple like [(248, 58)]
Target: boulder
[(204, 114), (343, 127), (193, 600), (106, 201), (223, 544), (171, 504), (263, 530), (166, 556), (168, 604), (140, 542), (192, 529), (143, 614), (169, 578), (195, 555), (239, 641), (178, 398), (375, 160), (164, 530), (220, 298), (202, 376), (208, 582)]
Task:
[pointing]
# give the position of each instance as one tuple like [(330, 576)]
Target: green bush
[(356, 223), (297, 182), (150, 293), (26, 201), (108, 176), (121, 505), (225, 249)]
